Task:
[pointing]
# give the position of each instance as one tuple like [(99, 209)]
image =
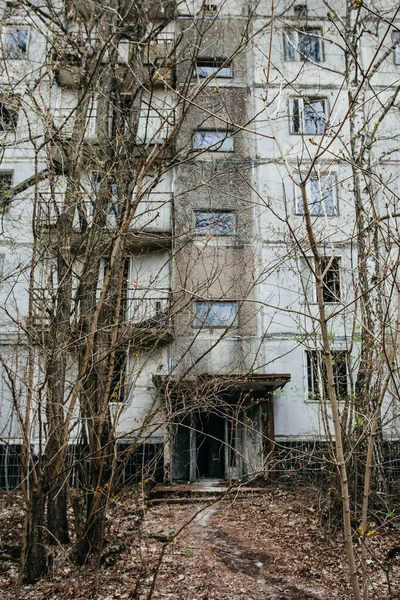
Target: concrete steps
[(201, 491)]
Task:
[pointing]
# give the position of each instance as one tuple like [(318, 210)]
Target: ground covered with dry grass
[(272, 544)]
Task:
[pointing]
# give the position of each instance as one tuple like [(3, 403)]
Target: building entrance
[(210, 446)]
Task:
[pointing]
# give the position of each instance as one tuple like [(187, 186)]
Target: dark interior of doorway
[(210, 446)]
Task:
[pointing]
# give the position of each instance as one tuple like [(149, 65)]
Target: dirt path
[(219, 557), (272, 546)]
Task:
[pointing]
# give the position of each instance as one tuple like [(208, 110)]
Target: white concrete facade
[(262, 267)]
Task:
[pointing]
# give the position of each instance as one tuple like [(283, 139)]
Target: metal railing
[(151, 312), (153, 215)]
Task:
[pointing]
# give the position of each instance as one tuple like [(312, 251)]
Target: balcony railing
[(154, 9), (148, 319), (147, 311), (153, 215)]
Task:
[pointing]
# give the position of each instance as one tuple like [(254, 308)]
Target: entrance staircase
[(203, 490)]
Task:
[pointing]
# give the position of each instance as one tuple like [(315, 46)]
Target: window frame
[(291, 48), (307, 274), (332, 292), (215, 66), (14, 54), (9, 103), (199, 232), (216, 146), (199, 323), (314, 358), (298, 115), (318, 203)]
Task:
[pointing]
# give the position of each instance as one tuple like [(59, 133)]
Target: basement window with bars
[(6, 178), (15, 42), (207, 67), (218, 314), (317, 385)]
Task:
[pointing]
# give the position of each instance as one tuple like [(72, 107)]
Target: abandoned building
[(216, 354)]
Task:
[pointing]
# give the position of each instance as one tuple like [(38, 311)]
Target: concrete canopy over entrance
[(220, 427)]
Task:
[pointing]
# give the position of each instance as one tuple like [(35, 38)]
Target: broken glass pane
[(217, 223), (309, 45), (214, 141), (215, 314), (322, 196), (15, 42), (314, 116), (207, 68)]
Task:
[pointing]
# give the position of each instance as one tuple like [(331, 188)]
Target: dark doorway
[(210, 446)]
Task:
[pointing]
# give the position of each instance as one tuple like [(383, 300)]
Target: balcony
[(148, 319), (151, 225), (68, 57), (48, 212), (129, 9), (157, 63), (44, 305)]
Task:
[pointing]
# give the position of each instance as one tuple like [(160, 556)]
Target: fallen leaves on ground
[(267, 546)]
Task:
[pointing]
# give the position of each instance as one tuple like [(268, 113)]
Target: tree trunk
[(57, 522), (35, 560)]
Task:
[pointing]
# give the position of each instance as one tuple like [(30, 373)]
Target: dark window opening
[(317, 377), (8, 113), (5, 188), (117, 388), (300, 10), (331, 279), (210, 9)]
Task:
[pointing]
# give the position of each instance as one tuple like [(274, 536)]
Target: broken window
[(308, 115), (321, 197), (215, 223), (317, 378), (9, 104), (5, 188), (209, 9), (215, 314), (303, 45), (213, 141), (208, 67), (300, 11), (331, 279), (15, 42)]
